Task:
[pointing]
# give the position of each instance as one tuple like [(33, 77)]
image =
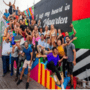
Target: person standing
[(62, 53), (5, 56), (28, 62), (14, 55), (21, 59), (10, 6), (6, 14), (71, 61), (67, 34)]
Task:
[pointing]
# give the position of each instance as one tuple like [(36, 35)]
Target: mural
[(30, 12), (81, 22)]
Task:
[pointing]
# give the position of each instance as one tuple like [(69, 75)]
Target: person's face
[(15, 20), (59, 42), (24, 16), (55, 51), (11, 20), (34, 21), (67, 39), (21, 22), (39, 21), (59, 31), (14, 6), (22, 54), (17, 44), (52, 27), (35, 28), (66, 34), (48, 41), (26, 45), (10, 3), (41, 30), (6, 10), (54, 44), (7, 40), (28, 28), (42, 37), (31, 21), (24, 21)]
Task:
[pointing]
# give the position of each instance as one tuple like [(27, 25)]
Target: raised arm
[(48, 51), (5, 3), (70, 41), (73, 30), (14, 2)]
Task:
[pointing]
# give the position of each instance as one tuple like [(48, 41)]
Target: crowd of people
[(47, 42)]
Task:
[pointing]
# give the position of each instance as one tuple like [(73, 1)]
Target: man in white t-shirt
[(5, 56)]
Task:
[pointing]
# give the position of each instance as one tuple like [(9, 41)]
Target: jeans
[(19, 65), (12, 61), (54, 69), (5, 61)]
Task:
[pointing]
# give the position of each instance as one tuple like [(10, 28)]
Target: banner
[(56, 12)]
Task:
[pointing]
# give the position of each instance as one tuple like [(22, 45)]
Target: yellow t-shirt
[(61, 51)]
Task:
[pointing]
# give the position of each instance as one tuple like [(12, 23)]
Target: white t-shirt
[(48, 32), (5, 48), (15, 54)]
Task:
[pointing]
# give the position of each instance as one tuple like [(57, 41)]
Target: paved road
[(8, 82)]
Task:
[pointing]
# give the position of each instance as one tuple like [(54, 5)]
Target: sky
[(22, 4)]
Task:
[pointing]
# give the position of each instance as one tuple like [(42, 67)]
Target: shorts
[(70, 67), (27, 63)]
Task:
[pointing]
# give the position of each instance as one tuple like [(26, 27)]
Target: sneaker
[(62, 86), (27, 85), (19, 82), (11, 74), (55, 79)]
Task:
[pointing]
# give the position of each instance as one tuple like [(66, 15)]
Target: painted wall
[(81, 22)]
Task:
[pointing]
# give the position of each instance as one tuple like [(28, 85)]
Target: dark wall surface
[(57, 12)]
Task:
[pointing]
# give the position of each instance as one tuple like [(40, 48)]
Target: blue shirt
[(41, 33), (27, 53), (6, 15), (42, 43), (50, 47), (16, 12)]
